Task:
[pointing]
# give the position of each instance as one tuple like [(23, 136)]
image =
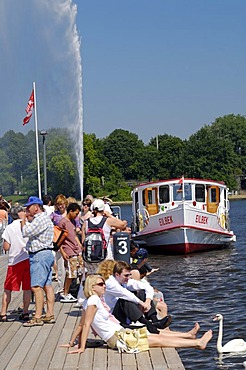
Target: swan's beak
[(215, 318)]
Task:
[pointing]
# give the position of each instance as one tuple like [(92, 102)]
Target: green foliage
[(123, 149), (113, 165)]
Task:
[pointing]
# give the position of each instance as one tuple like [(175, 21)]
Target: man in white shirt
[(18, 273), (124, 304)]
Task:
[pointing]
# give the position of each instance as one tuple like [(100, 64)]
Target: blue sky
[(150, 67)]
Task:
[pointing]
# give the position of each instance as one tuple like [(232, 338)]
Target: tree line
[(116, 163)]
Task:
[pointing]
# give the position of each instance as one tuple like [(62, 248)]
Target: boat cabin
[(157, 197)]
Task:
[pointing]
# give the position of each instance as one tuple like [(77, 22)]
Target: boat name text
[(201, 219), (166, 220)]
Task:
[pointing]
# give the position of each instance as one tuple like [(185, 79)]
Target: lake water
[(198, 286)]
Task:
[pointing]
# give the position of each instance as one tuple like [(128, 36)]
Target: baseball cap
[(98, 204), (33, 200), (142, 253)]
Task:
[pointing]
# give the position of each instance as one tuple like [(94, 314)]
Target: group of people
[(112, 303), (117, 295), (29, 242)]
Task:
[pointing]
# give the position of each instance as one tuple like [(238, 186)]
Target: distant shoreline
[(237, 197)]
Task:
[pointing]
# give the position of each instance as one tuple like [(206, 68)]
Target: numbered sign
[(121, 246)]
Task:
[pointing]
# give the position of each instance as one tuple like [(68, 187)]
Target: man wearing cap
[(98, 212), (40, 231)]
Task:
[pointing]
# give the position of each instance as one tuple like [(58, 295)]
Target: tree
[(170, 156), (123, 149), (61, 166)]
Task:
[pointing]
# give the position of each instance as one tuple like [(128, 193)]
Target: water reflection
[(230, 361)]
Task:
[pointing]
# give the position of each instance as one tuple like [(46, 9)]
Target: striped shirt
[(40, 233)]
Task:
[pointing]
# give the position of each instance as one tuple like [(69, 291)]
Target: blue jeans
[(41, 268)]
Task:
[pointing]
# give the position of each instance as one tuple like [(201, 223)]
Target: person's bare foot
[(194, 331), (203, 341)]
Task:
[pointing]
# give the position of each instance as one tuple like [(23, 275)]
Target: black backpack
[(95, 245)]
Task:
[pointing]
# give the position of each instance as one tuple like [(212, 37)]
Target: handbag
[(132, 340), (59, 237)]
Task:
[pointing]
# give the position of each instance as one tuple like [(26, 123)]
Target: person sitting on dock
[(124, 304), (95, 315), (140, 273), (139, 257)]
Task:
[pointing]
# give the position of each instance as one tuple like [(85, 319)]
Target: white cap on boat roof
[(98, 204)]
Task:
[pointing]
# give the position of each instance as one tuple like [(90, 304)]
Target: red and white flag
[(29, 109), (181, 180)]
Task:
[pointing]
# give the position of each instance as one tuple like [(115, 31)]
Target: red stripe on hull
[(185, 248)]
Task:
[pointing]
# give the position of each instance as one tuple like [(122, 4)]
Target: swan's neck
[(220, 335)]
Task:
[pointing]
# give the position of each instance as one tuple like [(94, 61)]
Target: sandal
[(24, 317), (49, 319), (34, 322), (3, 318)]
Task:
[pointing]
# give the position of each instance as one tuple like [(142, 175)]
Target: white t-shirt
[(48, 209), (13, 235), (102, 325)]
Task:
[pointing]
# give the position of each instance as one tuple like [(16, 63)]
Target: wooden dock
[(37, 347)]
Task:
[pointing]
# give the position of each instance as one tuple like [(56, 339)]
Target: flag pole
[(37, 147), (183, 188)]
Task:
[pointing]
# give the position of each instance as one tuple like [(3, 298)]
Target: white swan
[(234, 345)]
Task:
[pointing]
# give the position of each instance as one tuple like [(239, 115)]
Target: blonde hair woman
[(105, 269), (96, 316)]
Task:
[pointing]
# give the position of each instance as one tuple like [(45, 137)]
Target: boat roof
[(179, 180)]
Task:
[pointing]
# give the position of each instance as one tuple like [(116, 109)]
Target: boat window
[(164, 196), (143, 198), (213, 195), (200, 193), (187, 189), (150, 197), (136, 200), (178, 192)]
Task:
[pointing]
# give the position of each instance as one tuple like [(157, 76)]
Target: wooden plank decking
[(37, 347)]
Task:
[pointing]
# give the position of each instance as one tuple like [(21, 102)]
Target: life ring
[(143, 218), (221, 216), (140, 220), (146, 216)]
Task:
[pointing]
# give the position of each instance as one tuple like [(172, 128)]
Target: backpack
[(59, 237), (95, 245)]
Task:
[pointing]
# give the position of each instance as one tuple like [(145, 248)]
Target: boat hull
[(184, 240), (184, 230)]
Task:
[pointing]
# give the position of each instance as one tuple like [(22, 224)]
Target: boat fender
[(140, 220), (222, 220)]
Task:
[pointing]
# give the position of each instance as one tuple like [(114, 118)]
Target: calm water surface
[(198, 286)]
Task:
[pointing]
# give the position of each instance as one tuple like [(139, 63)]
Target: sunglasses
[(126, 275), (101, 284)]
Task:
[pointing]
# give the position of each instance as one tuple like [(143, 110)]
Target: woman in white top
[(95, 315)]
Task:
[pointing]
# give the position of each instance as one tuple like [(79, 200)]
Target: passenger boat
[(181, 216)]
